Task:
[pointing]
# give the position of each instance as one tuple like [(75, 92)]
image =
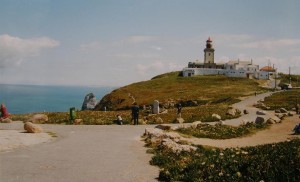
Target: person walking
[(135, 113)]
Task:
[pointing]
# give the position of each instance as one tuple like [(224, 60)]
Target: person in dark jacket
[(135, 113), (179, 107)]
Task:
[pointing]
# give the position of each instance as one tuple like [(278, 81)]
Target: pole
[(275, 80), (290, 74)]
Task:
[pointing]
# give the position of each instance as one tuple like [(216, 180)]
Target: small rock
[(290, 114), (218, 117), (195, 124), (246, 111), (276, 119), (163, 127), (280, 116), (283, 110), (270, 121), (259, 120), (231, 112), (261, 112), (6, 120), (277, 111)]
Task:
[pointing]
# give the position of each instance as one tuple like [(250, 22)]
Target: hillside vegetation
[(172, 88)]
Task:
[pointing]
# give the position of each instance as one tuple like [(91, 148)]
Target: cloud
[(270, 44), (157, 67), (91, 46), (143, 69), (232, 37), (136, 39), (14, 50)]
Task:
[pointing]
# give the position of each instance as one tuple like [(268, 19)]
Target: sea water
[(21, 99)]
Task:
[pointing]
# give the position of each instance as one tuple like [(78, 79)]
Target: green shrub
[(272, 162)]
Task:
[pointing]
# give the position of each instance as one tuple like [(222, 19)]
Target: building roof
[(268, 69)]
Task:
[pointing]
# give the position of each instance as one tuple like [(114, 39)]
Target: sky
[(118, 42)]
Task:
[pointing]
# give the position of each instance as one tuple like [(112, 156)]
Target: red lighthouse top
[(209, 40)]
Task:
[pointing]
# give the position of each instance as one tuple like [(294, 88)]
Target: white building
[(242, 69)]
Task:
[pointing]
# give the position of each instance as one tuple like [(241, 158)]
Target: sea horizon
[(29, 98)]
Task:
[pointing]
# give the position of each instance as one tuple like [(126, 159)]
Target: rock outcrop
[(169, 140), (89, 102)]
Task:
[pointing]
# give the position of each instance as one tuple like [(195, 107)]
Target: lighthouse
[(209, 52)]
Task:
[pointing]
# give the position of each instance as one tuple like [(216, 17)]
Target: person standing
[(179, 107), (135, 113), (4, 113)]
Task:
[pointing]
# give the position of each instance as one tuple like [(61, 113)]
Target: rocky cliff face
[(89, 102)]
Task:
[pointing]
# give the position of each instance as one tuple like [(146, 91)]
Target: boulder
[(283, 110), (218, 117), (259, 120), (290, 114), (277, 111), (163, 127), (89, 102), (38, 118), (261, 112), (32, 128)]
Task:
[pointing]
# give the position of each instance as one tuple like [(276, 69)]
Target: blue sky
[(117, 42)]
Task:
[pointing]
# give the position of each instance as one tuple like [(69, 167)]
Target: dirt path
[(277, 133)]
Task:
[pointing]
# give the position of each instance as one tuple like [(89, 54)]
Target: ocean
[(20, 99)]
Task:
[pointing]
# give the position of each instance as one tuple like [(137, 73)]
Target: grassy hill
[(201, 97), (172, 88)]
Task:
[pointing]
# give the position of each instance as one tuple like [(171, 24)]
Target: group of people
[(3, 112)]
